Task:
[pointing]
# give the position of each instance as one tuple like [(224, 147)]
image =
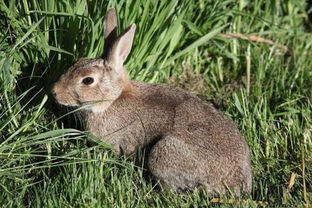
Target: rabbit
[(194, 145)]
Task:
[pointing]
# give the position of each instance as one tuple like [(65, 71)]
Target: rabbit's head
[(96, 83)]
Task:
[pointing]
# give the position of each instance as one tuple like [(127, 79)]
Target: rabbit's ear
[(110, 30), (121, 48)]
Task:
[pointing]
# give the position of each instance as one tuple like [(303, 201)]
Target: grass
[(45, 162)]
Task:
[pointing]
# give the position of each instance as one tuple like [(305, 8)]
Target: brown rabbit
[(195, 145)]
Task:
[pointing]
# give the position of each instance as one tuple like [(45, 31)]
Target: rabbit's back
[(202, 147), (162, 109), (186, 114)]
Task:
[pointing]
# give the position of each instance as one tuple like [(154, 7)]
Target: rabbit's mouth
[(94, 102), (68, 104)]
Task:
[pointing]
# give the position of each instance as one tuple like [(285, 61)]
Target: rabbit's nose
[(53, 91)]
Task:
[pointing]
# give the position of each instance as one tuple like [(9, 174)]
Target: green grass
[(45, 162)]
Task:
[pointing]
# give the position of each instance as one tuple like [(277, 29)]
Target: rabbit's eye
[(88, 80)]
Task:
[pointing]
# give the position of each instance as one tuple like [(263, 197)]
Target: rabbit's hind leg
[(173, 163)]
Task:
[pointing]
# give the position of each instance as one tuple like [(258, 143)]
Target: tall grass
[(44, 162)]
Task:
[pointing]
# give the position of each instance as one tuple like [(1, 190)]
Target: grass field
[(252, 60)]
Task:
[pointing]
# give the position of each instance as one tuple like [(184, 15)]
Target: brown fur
[(196, 145)]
